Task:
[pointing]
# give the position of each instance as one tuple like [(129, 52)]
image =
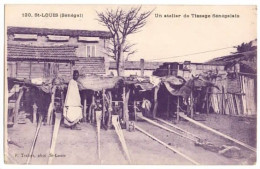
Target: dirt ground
[(80, 146)]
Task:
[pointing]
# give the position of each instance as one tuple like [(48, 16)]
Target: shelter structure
[(238, 86)]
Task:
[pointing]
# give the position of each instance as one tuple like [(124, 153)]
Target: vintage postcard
[(130, 84)]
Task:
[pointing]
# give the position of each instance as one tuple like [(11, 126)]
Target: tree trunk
[(121, 61)]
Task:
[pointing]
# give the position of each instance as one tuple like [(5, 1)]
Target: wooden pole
[(17, 104), (207, 100), (51, 106), (98, 120), (168, 96), (54, 136), (165, 128), (166, 145), (103, 107), (178, 108), (119, 132), (191, 104), (109, 123), (223, 100), (218, 133), (135, 111), (85, 106), (156, 89), (91, 110), (34, 140), (168, 106), (142, 67), (34, 112), (126, 109), (124, 102), (176, 127)]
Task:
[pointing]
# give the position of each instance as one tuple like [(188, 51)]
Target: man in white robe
[(72, 111)]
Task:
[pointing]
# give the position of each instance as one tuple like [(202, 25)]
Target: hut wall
[(29, 70), (37, 70), (64, 69), (23, 70), (11, 69), (248, 87), (238, 97)]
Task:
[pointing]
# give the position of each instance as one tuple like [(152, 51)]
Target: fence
[(241, 103)]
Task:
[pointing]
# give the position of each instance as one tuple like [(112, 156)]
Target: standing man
[(72, 111)]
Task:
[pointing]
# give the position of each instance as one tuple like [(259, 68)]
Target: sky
[(162, 38)]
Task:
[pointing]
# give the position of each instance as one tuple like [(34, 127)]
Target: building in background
[(136, 67), (42, 52)]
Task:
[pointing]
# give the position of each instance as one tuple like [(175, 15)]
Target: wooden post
[(119, 132), (142, 67), (98, 120), (191, 102), (62, 98), (91, 117), (51, 106), (156, 89), (103, 107), (125, 106), (109, 123), (35, 113), (17, 104), (93, 109), (168, 97), (85, 106), (123, 98), (223, 100), (207, 100), (135, 110), (34, 140), (178, 108), (90, 107), (54, 136)]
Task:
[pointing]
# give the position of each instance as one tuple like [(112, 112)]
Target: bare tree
[(122, 23)]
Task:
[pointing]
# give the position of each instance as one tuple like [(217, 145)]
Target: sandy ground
[(80, 146)]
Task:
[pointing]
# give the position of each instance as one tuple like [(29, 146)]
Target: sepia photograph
[(130, 84)]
